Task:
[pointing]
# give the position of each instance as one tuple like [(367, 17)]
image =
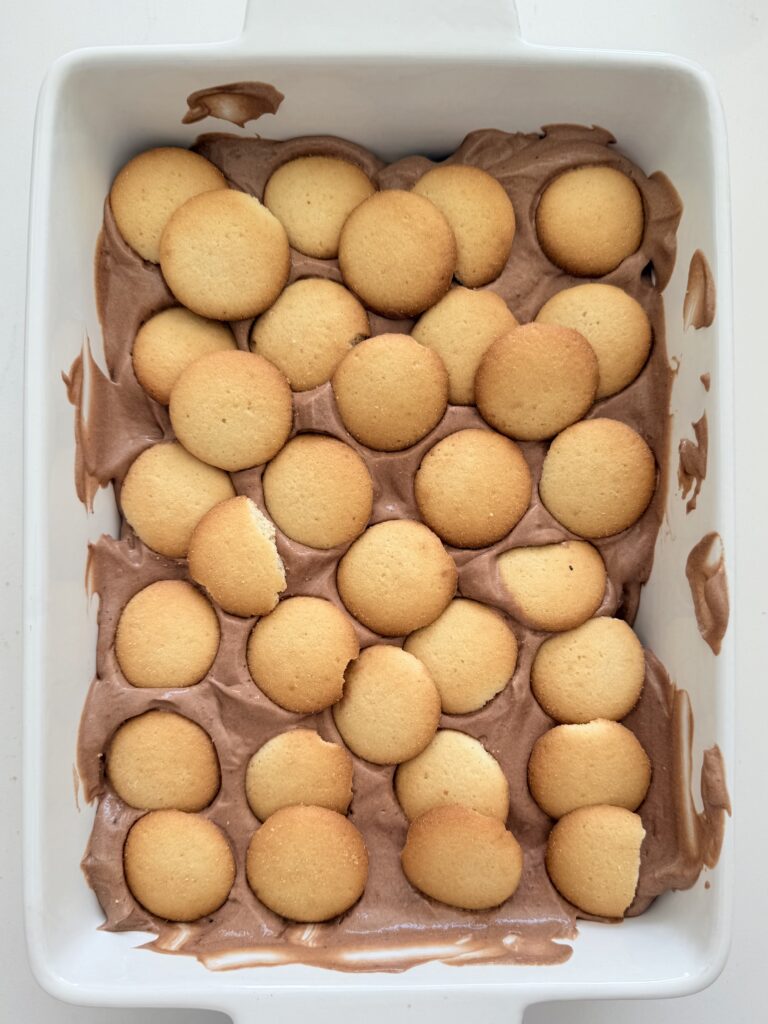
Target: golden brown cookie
[(598, 477), (168, 342), (536, 380), (151, 187), (600, 762), (589, 220), (232, 410), (593, 858), (298, 653), (462, 858), (398, 253), (593, 671), (390, 391), (167, 636), (461, 328), (178, 866), (453, 769), (309, 330), (312, 196), (165, 494), (319, 491), (224, 255), (233, 555), (554, 586), (615, 325), (396, 578), (481, 217), (298, 767), (307, 863), (473, 487), (390, 708), (469, 651), (161, 759)]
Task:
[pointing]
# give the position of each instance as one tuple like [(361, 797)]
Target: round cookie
[(536, 380), (390, 708), (318, 491), (307, 863), (309, 330), (224, 255), (390, 391), (453, 769), (598, 478), (168, 342), (462, 858), (165, 494), (178, 866), (481, 217), (161, 759), (398, 253), (167, 636), (298, 653), (554, 586), (312, 196), (298, 767), (615, 325), (151, 187), (469, 651), (594, 671), (232, 410), (599, 762), (593, 858), (232, 554), (396, 578), (461, 327), (589, 220), (473, 487)]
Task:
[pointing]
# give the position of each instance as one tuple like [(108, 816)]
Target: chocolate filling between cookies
[(393, 926)]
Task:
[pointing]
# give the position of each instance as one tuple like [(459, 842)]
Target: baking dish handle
[(426, 27)]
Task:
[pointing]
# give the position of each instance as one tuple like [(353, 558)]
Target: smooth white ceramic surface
[(56, 840)]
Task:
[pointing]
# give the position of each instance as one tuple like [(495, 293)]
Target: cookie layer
[(593, 671), (600, 762), (232, 554), (309, 330), (536, 380), (398, 253), (390, 707), (167, 636), (169, 342), (312, 196), (462, 858), (298, 653), (481, 217), (554, 586), (390, 391), (224, 255), (396, 578), (598, 477), (178, 866), (165, 494), (589, 220), (318, 491), (232, 410), (307, 863), (473, 487), (298, 767), (469, 651)]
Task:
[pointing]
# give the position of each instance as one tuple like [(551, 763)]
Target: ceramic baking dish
[(399, 78)]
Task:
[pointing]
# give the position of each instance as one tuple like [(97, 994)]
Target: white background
[(730, 38)]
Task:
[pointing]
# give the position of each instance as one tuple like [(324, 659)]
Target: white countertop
[(730, 38)]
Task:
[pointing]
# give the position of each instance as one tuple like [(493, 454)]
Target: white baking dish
[(403, 78)]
